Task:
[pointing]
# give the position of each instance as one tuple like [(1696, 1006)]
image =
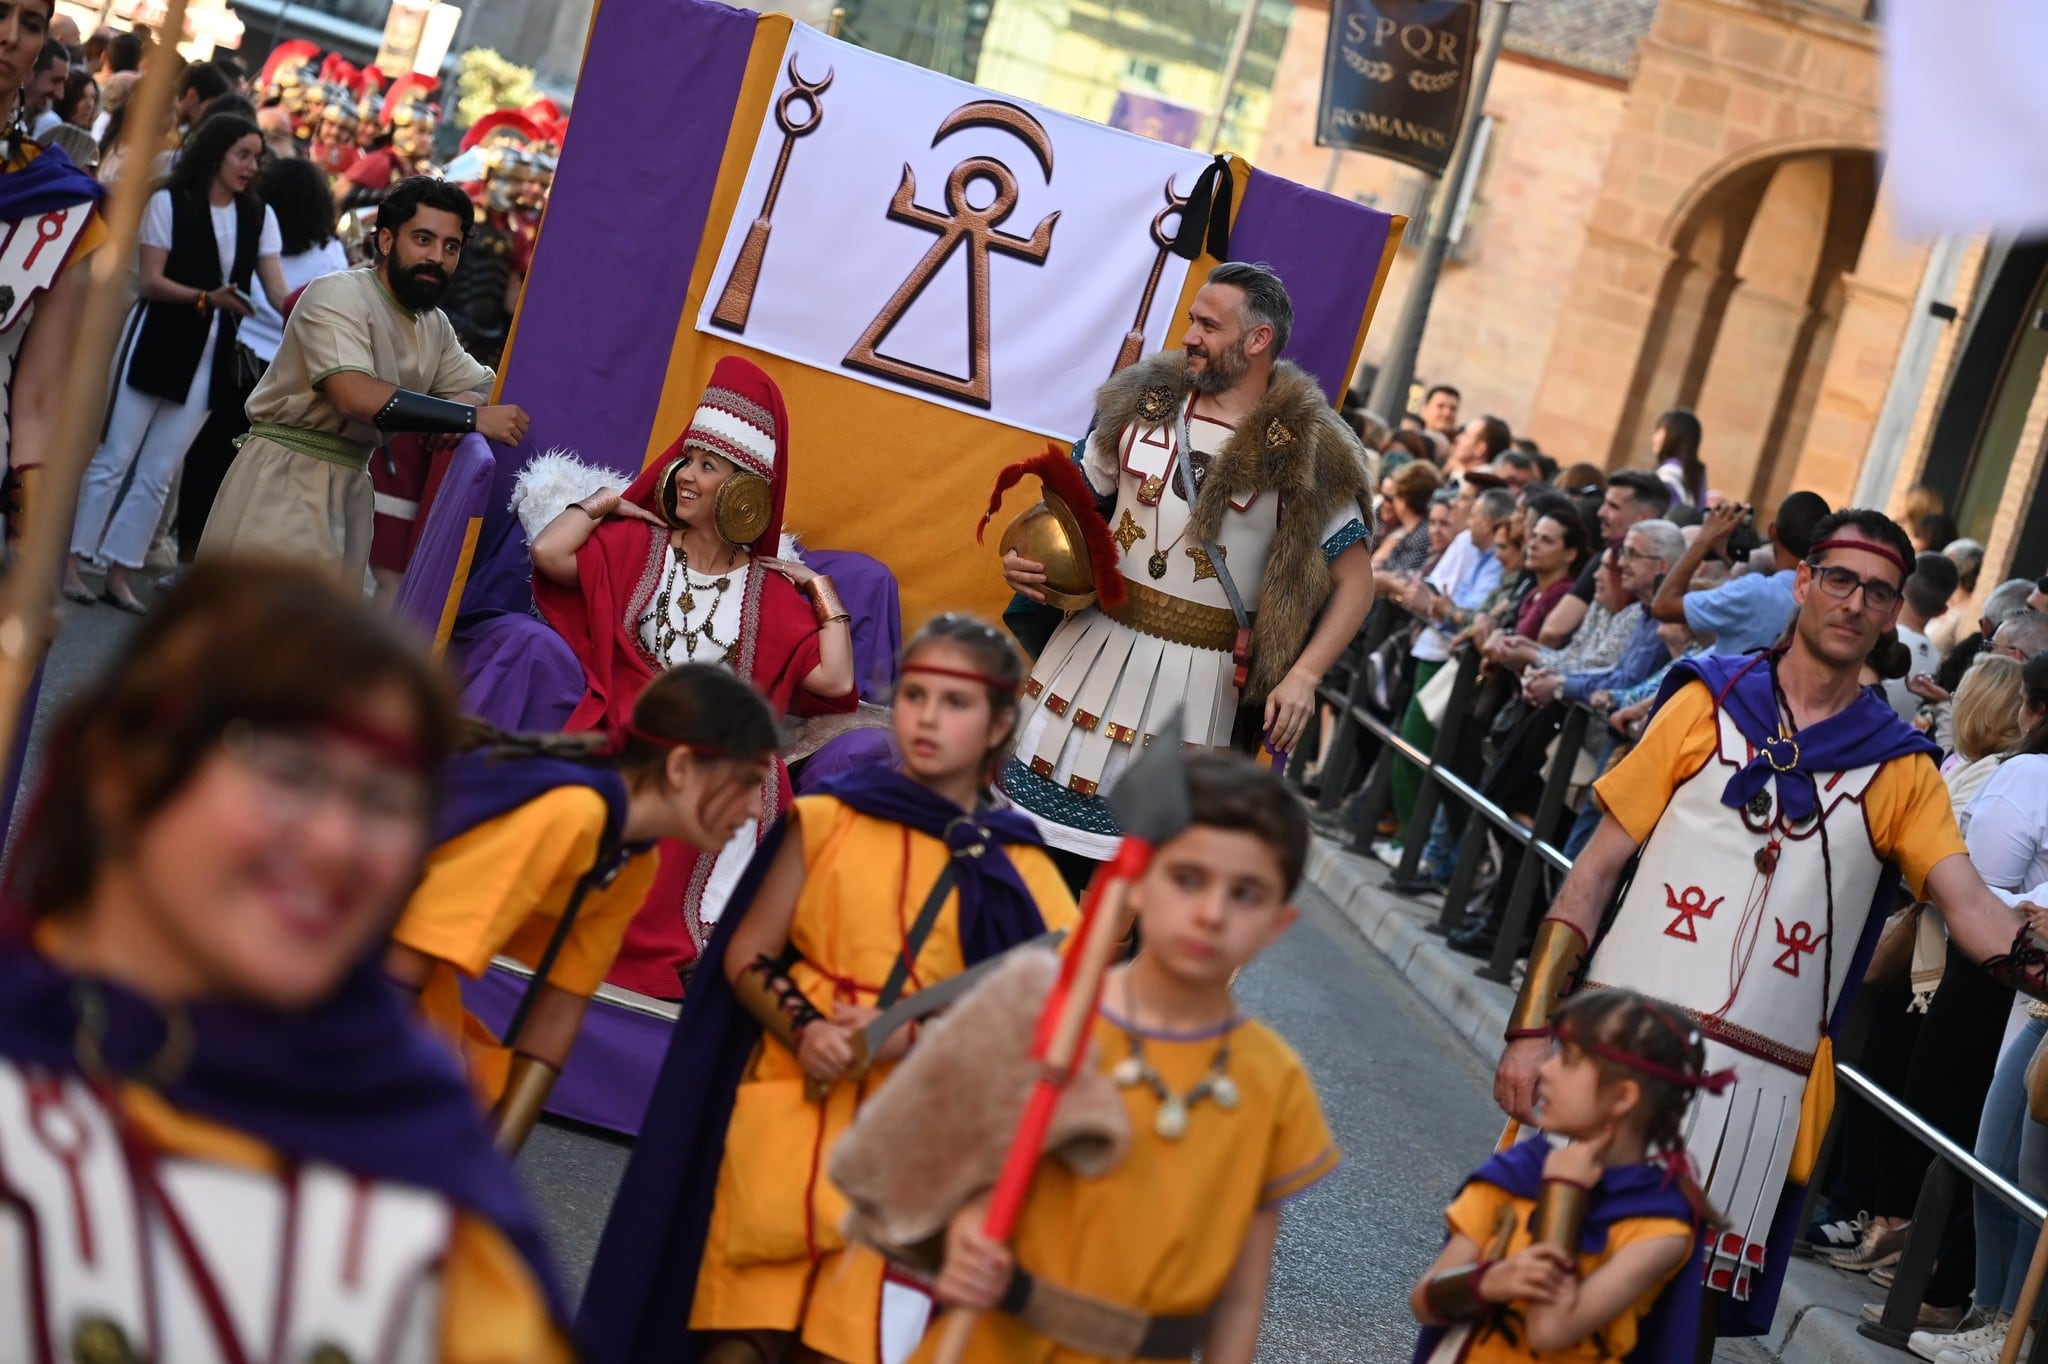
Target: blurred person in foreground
[(195, 1036)]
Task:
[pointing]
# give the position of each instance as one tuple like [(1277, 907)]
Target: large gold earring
[(742, 508), (665, 495)]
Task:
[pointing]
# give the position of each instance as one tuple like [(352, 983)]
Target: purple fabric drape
[(1327, 250)]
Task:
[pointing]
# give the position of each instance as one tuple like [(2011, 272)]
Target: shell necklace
[(666, 630), (1171, 1122)]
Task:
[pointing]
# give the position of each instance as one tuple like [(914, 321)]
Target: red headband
[(392, 745), (1713, 1082), (965, 674), (634, 731), (1868, 547)]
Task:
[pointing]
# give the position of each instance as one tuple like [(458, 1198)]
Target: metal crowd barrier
[(1439, 780), (1946, 1173)]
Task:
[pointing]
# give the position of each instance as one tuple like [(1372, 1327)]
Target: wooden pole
[(1063, 1053), (2030, 1293), (51, 497)]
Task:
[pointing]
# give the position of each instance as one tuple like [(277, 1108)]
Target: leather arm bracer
[(768, 992), (2023, 966), (1554, 961), (424, 414)]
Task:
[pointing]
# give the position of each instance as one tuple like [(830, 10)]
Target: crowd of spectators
[(1578, 586)]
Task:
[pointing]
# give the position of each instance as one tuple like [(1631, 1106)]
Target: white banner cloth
[(885, 227)]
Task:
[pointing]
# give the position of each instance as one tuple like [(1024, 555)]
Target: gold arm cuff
[(1555, 957), (1453, 1295), (1561, 1214), (825, 600), (1175, 619), (527, 1086)]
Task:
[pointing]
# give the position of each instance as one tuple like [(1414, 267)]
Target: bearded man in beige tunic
[(1216, 458), (367, 354)]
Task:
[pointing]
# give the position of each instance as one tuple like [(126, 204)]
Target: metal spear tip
[(1151, 800)]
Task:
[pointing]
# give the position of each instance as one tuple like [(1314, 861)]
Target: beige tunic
[(277, 500)]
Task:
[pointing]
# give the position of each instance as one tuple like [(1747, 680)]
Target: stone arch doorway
[(1980, 438), (1746, 313)]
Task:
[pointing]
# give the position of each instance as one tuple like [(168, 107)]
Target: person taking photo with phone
[(1749, 611), (206, 239)]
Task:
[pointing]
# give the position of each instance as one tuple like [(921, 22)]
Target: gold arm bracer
[(1561, 1214), (1555, 957), (1453, 1294), (527, 1086)]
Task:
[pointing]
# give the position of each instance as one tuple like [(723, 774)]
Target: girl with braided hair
[(544, 850), (1569, 1246)]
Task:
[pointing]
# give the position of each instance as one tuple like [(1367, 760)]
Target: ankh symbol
[(1134, 339), (737, 298), (976, 229)]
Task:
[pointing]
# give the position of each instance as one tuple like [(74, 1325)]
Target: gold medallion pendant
[(1156, 565)]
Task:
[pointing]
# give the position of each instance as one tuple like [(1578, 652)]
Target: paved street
[(1406, 1097)]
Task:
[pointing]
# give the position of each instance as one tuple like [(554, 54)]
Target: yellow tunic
[(492, 1309), (1161, 1232), (1480, 1214), (774, 1258), (500, 889)]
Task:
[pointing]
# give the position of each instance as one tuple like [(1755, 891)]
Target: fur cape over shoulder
[(1291, 443)]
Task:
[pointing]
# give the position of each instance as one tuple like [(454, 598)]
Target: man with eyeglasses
[(1770, 807)]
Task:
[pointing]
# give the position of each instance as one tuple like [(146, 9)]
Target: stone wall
[(1496, 309)]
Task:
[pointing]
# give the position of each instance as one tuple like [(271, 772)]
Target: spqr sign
[(1394, 78)]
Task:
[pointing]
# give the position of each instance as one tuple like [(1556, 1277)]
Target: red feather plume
[(297, 52), (1056, 470)]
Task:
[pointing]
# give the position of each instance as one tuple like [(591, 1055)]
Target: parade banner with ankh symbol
[(984, 253)]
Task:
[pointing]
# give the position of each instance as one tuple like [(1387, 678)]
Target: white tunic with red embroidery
[(32, 255), (1101, 688), (1757, 958), (111, 1252)]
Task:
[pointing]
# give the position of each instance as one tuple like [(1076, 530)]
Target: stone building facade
[(1677, 207)]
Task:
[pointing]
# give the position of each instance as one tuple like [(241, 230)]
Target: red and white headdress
[(736, 418)]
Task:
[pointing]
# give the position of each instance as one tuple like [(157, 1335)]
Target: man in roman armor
[(411, 121), (1234, 493), (1772, 808)]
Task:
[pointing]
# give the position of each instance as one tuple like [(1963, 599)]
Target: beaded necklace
[(666, 629)]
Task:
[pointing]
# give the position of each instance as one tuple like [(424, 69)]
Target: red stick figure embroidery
[(48, 228), (1690, 905), (1797, 943)]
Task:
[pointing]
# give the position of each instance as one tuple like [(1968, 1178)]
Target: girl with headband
[(1568, 1246), (724, 1243), (545, 849), (221, 1137)]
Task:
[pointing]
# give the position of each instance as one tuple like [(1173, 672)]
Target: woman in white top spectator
[(205, 239), (2008, 1141), (297, 192)]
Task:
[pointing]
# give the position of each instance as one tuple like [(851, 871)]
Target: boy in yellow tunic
[(724, 1243), (544, 852), (220, 1136), (1573, 1252), (1177, 1241)]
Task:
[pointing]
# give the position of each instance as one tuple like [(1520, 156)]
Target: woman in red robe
[(676, 569)]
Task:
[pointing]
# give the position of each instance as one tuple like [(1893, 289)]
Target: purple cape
[(46, 184), (644, 1278), (350, 1082), (1670, 1329), (1867, 732), (479, 787)]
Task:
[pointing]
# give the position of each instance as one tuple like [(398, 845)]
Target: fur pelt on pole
[(936, 1135)]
